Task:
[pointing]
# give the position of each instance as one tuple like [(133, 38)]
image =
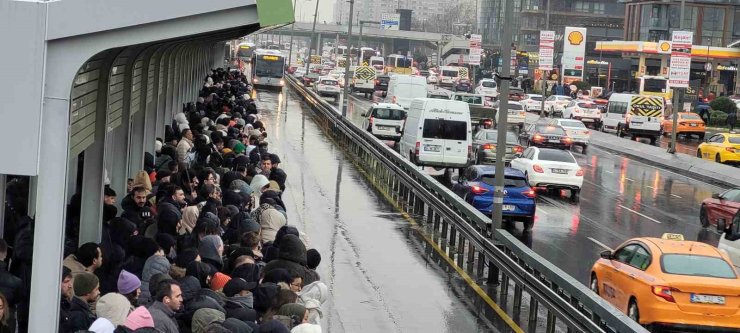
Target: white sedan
[(552, 169), (532, 102), (432, 79), (555, 104), (487, 87), (583, 110), (576, 130)]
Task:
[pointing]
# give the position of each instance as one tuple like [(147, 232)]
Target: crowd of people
[(202, 243)]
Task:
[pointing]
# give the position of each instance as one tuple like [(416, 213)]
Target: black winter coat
[(10, 285), (293, 258), (80, 315)]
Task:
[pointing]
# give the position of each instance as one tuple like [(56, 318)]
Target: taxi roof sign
[(671, 236)]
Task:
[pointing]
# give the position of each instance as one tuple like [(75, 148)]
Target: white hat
[(158, 146)]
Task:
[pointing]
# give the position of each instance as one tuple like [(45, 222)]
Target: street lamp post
[(313, 33), (359, 39), (292, 30), (677, 92), (544, 73), (345, 96)]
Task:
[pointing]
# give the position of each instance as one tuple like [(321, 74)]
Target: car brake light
[(664, 293), (537, 137), (567, 139), (477, 189), (579, 173), (530, 193), (537, 168), (255, 80), (488, 146), (586, 132), (682, 124), (377, 81), (416, 150), (488, 122), (730, 149)]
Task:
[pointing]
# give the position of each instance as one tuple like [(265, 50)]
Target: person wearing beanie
[(239, 148), (238, 294), (139, 318), (129, 286), (114, 307), (218, 281), (86, 288), (109, 196)]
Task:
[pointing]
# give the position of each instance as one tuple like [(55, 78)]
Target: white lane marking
[(677, 196), (607, 171), (641, 214), (600, 244), (648, 186), (630, 179), (540, 210)]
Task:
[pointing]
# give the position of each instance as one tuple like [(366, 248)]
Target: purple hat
[(127, 282)]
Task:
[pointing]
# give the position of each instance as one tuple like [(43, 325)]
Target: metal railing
[(463, 235)]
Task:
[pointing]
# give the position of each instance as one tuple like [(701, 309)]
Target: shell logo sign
[(664, 46), (575, 38)]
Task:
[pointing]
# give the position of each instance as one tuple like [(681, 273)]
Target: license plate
[(431, 148), (707, 299), (508, 208), (554, 140), (560, 171), (636, 123), (692, 125), (586, 120), (513, 113)]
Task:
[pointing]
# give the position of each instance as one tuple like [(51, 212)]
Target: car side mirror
[(716, 196), (606, 254)]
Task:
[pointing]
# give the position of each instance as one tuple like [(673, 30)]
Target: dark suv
[(381, 82), (542, 134)]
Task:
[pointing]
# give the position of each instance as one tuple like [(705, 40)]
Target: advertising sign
[(547, 50), (664, 47), (680, 68), (390, 21), (475, 49), (574, 53), (474, 58)]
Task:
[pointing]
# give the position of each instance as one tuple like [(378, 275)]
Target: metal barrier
[(464, 235)]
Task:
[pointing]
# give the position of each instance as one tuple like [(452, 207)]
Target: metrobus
[(244, 51), (340, 51), (268, 68), (655, 86), (399, 64)]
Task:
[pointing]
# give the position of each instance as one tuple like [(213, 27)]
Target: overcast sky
[(304, 10)]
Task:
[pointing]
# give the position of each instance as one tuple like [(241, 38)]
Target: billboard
[(680, 67), (547, 50), (574, 54), (390, 21), (475, 49)]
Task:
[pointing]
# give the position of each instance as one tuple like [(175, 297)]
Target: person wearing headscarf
[(271, 220), (258, 182), (312, 296), (189, 219), (114, 307), (201, 271), (211, 251)]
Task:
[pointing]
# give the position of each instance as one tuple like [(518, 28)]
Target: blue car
[(476, 187)]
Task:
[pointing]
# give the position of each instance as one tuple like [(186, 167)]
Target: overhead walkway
[(100, 79)]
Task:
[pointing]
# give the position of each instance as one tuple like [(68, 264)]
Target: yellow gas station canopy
[(698, 51)]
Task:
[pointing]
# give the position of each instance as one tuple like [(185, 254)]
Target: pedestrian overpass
[(100, 79)]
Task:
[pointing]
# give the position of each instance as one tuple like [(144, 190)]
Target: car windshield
[(329, 82), (572, 123), (489, 84), (586, 105), (511, 138), (690, 116), (469, 99), (268, 68), (536, 98), (445, 129), (545, 129), (515, 106), (389, 114), (693, 265), (508, 181), (555, 155)]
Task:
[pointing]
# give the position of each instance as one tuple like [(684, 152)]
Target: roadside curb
[(683, 164)]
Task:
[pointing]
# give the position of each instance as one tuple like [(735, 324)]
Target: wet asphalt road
[(378, 278), (621, 199)]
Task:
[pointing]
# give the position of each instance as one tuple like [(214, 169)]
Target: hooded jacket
[(183, 147), (80, 315), (193, 300), (271, 220), (168, 216), (154, 265), (312, 296), (205, 316), (293, 258), (258, 182)]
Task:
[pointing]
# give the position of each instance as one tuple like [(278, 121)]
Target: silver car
[(484, 146)]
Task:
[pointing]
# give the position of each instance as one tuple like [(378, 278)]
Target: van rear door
[(645, 109)]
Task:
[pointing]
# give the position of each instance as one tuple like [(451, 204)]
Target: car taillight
[(416, 150), (567, 140), (488, 146), (377, 81), (537, 137), (537, 168), (530, 193), (254, 80), (682, 123), (488, 122), (477, 189), (518, 149), (470, 150), (730, 149), (664, 293), (579, 173), (586, 132)]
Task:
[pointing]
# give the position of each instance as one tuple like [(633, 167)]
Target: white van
[(437, 133), (448, 75), (634, 115), (404, 88), (384, 121)]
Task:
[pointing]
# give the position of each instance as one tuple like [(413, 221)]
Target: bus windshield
[(269, 67), (450, 73), (654, 85)]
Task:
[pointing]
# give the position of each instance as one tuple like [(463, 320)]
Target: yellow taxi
[(721, 147), (670, 282), (688, 123)]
